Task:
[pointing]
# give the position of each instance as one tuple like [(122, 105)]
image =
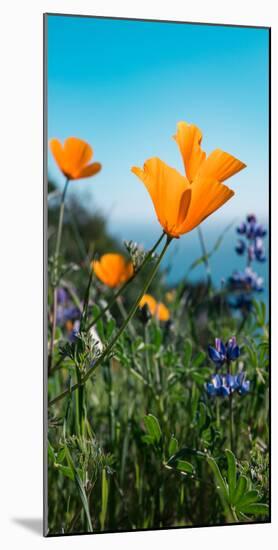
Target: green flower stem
[(147, 355), (125, 285), (123, 313), (60, 224), (231, 422), (121, 329), (205, 255), (55, 273), (231, 419)]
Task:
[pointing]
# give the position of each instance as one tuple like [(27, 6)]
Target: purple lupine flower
[(254, 229), (62, 295), (223, 385), (260, 231), (74, 331), (222, 353), (251, 229), (246, 280), (240, 247), (241, 384), (259, 250), (251, 253), (232, 349), (243, 302), (64, 314), (218, 353), (241, 229)]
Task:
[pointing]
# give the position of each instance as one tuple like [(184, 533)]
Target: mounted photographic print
[(156, 275)]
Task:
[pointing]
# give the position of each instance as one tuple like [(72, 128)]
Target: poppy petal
[(149, 301), (162, 312), (166, 187), (88, 171), (189, 138), (220, 166), (207, 197), (77, 154), (58, 153), (112, 269), (101, 275)]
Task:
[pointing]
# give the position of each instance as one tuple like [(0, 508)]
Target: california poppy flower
[(113, 269), (183, 202), (157, 309), (73, 158)]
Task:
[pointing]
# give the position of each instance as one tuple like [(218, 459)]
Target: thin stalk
[(147, 355), (111, 407), (53, 329), (231, 420), (125, 285), (123, 313), (121, 329), (205, 255), (60, 223), (55, 273), (86, 302)]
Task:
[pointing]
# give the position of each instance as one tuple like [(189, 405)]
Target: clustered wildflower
[(224, 384), (243, 284), (253, 245), (137, 254), (68, 315), (247, 280)]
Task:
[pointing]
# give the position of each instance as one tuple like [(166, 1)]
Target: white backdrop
[(21, 269)]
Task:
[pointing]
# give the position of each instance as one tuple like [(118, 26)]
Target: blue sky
[(123, 85)]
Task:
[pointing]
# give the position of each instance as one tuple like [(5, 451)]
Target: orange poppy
[(157, 309), (113, 269), (183, 202), (73, 158)]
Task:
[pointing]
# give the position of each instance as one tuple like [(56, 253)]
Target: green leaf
[(185, 452), (173, 446), (199, 359), (231, 473), (248, 498), (222, 486), (202, 415), (187, 353), (184, 466), (65, 470), (256, 509), (153, 427), (61, 455), (51, 454), (80, 487), (198, 377), (240, 489), (104, 499), (147, 439)]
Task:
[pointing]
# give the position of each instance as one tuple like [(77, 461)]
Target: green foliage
[(140, 444)]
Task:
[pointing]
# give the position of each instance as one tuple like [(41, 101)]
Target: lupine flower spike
[(222, 353), (224, 385), (254, 233)]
